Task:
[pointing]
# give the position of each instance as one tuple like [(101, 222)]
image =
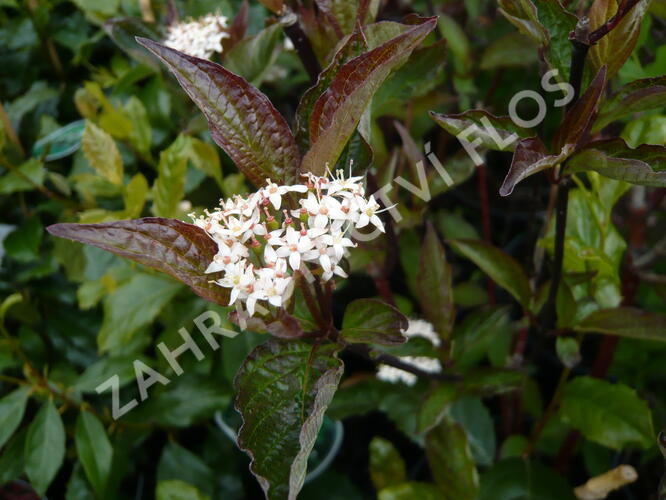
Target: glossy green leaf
[(133, 305), (498, 133), (635, 97), (177, 462), (644, 165), (451, 462), (94, 450), (499, 266), (124, 30), (44, 447), (609, 414), (242, 120), (434, 284), (616, 47), (283, 389), (12, 407), (177, 490), (558, 22), (626, 322), (102, 153), (337, 112), (181, 250), (387, 467), (373, 321), (169, 186)]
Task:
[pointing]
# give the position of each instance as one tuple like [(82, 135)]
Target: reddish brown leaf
[(337, 112), (168, 245), (242, 120), (574, 129)]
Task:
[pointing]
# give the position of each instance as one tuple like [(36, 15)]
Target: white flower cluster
[(262, 244), (198, 37), (416, 328)]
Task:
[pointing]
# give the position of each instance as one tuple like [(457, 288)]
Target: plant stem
[(304, 49), (311, 303), (485, 222), (549, 314), (387, 359), (550, 411), (612, 23)]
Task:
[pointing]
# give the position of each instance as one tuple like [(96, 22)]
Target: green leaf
[(181, 250), (242, 120), (498, 133), (102, 153), (135, 196), (577, 122), (625, 322), (177, 490), (94, 450), (124, 30), (141, 131), (177, 462), (523, 15), (253, 56), (644, 165), (616, 47), (512, 50), (410, 491), (609, 414), (27, 176), (22, 244), (433, 284), (337, 112), (44, 447), (559, 22), (635, 97), (519, 479), (283, 389), (373, 321), (169, 186), (475, 419), (11, 458), (499, 266), (204, 157), (104, 368), (387, 467), (133, 305), (451, 462), (12, 407)]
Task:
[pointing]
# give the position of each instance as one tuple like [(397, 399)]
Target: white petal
[(295, 261), (234, 295), (363, 221), (321, 221), (276, 200)]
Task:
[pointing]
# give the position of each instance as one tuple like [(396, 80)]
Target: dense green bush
[(502, 336)]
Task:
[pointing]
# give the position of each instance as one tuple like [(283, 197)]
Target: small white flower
[(226, 255), (275, 193), (393, 375), (323, 209), (240, 278), (200, 37), (368, 213), (294, 245), (422, 328)]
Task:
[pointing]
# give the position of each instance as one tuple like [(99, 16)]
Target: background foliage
[(528, 413)]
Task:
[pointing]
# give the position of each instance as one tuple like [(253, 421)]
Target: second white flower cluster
[(263, 240)]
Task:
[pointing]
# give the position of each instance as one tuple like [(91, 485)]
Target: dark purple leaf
[(181, 250), (373, 321), (242, 120), (529, 158), (635, 97)]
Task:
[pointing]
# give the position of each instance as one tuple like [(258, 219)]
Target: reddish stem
[(485, 221)]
